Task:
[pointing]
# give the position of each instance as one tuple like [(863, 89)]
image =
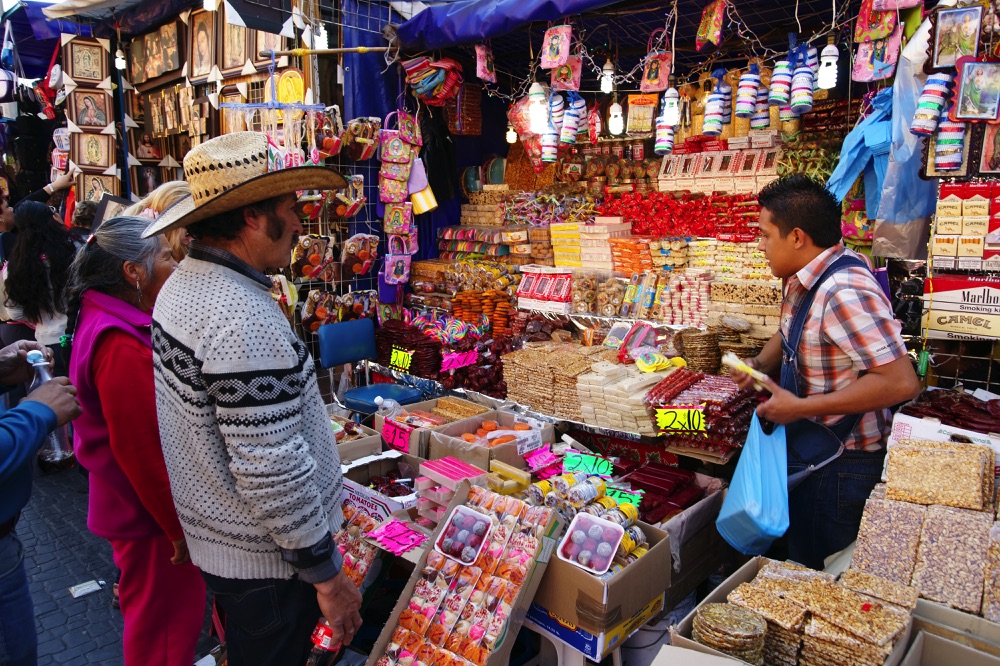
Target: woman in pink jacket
[(114, 282)]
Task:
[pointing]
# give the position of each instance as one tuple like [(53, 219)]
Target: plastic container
[(590, 543), (463, 537)]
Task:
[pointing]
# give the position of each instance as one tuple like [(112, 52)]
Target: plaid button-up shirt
[(849, 330)]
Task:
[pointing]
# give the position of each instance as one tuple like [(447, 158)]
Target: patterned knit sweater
[(252, 460)]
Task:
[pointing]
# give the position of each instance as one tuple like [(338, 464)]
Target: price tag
[(456, 360), (540, 458), (683, 418), (396, 537), (530, 440), (623, 496), (401, 359), (396, 435), (584, 462)]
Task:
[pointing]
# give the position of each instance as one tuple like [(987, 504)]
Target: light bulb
[(828, 66), (607, 77), (616, 123), (511, 134), (671, 107), (538, 109), (120, 62)]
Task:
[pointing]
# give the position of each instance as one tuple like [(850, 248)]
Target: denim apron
[(811, 445)]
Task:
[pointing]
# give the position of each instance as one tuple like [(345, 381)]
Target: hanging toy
[(781, 84), (746, 94), (761, 118), (931, 103)]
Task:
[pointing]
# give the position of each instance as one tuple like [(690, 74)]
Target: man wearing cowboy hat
[(252, 460)]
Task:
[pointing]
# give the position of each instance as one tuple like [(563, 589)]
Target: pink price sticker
[(455, 360), (396, 537), (540, 459), (396, 435)]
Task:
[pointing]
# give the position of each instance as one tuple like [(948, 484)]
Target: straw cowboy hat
[(236, 170)]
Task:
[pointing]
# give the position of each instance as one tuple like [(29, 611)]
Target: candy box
[(465, 533), (358, 473), (591, 543)]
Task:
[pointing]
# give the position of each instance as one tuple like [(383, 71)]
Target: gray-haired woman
[(113, 285)]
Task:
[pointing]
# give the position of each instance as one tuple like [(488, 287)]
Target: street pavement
[(60, 552)]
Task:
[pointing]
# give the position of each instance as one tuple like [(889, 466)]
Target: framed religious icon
[(88, 62), (136, 109), (171, 55), (266, 41), (978, 85), (154, 55), (109, 207), (955, 34), (146, 178), (185, 100), (201, 51), (232, 120), (137, 60), (146, 148), (155, 123), (90, 109), (171, 120), (93, 186), (989, 157), (93, 151), (234, 48)]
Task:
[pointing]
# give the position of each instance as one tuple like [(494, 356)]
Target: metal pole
[(308, 52)]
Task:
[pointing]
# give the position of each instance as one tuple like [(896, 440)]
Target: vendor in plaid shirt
[(850, 360)]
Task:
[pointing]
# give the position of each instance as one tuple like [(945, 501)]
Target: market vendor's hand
[(783, 407), (742, 379), (14, 366), (340, 602)]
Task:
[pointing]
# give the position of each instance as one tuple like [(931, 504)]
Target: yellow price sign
[(401, 359), (680, 418)]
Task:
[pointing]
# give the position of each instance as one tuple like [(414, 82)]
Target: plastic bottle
[(387, 408), (56, 452), (323, 652)]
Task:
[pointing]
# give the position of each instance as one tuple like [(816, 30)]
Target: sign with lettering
[(396, 537), (396, 435), (401, 359), (680, 418), (623, 496), (455, 360), (589, 464)]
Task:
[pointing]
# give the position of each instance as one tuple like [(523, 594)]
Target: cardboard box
[(597, 606), (671, 655), (501, 652), (359, 448), (593, 646), (971, 630), (680, 634), (930, 650), (358, 473), (971, 246), (975, 225), (945, 226), (447, 441), (417, 444), (944, 246), (913, 427)]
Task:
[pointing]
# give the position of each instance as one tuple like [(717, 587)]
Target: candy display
[(732, 630), (957, 409), (949, 474), (357, 554), (463, 538), (591, 543)]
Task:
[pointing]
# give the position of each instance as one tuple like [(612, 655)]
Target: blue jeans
[(825, 509), (18, 641), (268, 622)]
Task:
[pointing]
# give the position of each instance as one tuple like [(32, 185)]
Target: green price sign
[(681, 418), (401, 359), (584, 462), (623, 496)]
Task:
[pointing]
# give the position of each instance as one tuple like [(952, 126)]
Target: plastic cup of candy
[(463, 538), (590, 542)]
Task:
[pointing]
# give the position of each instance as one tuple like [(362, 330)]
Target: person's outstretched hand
[(14, 366)]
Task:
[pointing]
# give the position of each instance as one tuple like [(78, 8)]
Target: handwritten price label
[(591, 465), (681, 418), (396, 435), (623, 496), (456, 360), (401, 359), (396, 537)]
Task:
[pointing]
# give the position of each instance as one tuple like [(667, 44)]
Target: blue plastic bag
[(755, 511)]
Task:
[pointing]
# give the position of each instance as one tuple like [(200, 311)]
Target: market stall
[(555, 230)]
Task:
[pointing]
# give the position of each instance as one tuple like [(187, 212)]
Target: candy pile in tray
[(957, 409), (811, 619), (728, 409), (458, 613), (357, 553), (730, 629), (666, 491), (611, 396), (425, 360), (931, 525)]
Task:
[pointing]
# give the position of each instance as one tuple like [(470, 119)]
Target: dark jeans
[(18, 641), (268, 622), (825, 509)]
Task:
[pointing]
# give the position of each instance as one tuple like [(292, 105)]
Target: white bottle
[(56, 452), (387, 408)]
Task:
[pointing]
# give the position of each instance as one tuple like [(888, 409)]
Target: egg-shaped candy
[(446, 544), (610, 535), (590, 544), (463, 535), (595, 532), (479, 529), (604, 549), (475, 540), (578, 536), (584, 557), (468, 554)]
